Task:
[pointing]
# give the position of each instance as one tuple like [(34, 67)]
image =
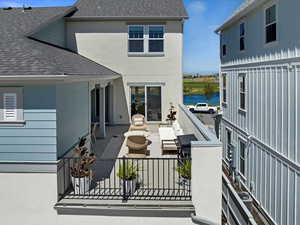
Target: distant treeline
[(192, 76)]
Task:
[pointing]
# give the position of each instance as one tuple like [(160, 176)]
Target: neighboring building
[(63, 69), (260, 97)]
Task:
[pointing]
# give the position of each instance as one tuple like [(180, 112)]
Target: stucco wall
[(36, 140), (29, 199), (107, 43), (72, 114)]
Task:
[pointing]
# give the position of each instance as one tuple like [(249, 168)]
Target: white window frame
[(242, 140), (5, 109), (224, 88), (146, 101), (146, 40), (136, 39), (242, 92), (228, 130), (272, 43), (18, 93), (222, 48), (242, 36), (153, 39)]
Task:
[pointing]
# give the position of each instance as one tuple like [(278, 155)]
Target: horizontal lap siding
[(273, 106), (36, 140)]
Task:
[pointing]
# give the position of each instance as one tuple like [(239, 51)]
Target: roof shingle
[(131, 9), (20, 55)]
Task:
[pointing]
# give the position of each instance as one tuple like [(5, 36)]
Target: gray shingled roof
[(130, 9), (20, 55)]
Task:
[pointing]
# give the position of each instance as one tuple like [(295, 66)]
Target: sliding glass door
[(137, 100), (154, 103), (146, 100)]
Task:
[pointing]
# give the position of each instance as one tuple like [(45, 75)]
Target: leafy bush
[(185, 169), (127, 171)]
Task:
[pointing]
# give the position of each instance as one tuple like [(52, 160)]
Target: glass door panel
[(137, 100), (153, 103)]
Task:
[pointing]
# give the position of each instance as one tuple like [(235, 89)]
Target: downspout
[(201, 221)]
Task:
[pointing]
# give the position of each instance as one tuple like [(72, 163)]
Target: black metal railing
[(127, 178)]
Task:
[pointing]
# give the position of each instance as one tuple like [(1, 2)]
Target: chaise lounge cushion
[(138, 122)]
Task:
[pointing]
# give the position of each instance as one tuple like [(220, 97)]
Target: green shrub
[(127, 171)]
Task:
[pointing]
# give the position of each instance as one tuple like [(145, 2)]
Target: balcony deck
[(158, 178), (114, 145)]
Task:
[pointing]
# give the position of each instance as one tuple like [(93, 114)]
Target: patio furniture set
[(173, 140)]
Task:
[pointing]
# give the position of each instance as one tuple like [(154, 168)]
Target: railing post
[(124, 180)]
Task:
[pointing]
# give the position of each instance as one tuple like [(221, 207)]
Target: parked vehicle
[(202, 107)]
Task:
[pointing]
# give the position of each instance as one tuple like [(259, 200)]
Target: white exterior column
[(102, 126), (207, 182)]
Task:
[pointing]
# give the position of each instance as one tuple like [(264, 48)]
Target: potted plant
[(172, 114), (128, 174), (184, 170), (81, 173)]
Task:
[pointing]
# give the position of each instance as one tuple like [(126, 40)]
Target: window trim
[(268, 6), (242, 36), (20, 113), (228, 130), (222, 50), (162, 39), (242, 74), (224, 88), (243, 175), (145, 86), (146, 40), (133, 39)]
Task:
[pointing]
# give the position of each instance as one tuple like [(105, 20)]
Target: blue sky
[(201, 44)]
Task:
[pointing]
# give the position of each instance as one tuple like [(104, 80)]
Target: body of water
[(194, 99)]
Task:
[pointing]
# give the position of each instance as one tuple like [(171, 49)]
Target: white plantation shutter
[(10, 107)]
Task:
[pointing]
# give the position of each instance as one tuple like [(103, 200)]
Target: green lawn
[(196, 86)]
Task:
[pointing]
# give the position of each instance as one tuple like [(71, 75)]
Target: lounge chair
[(137, 145), (168, 136), (138, 123)]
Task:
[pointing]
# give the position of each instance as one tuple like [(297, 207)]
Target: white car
[(202, 107)]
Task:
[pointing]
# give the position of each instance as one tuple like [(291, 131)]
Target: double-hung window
[(242, 157), (242, 36), (146, 39), (224, 86), (136, 39), (224, 50), (271, 24), (242, 87), (11, 105), (156, 38)]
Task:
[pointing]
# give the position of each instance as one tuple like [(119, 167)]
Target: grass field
[(196, 85)]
